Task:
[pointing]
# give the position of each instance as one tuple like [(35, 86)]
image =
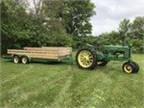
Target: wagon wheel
[(102, 63), (16, 59), (130, 67), (24, 59), (86, 58)]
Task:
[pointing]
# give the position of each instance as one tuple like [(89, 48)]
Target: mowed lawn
[(59, 85)]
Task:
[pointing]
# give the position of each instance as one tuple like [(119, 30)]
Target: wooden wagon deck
[(56, 53)]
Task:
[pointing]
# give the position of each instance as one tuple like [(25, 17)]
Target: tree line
[(129, 33), (60, 23)]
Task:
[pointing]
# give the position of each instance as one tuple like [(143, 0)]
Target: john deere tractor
[(89, 57)]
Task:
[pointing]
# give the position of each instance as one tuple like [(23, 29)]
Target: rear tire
[(16, 59), (86, 58), (24, 59)]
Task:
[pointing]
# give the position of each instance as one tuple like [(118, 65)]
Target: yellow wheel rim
[(128, 69), (85, 58)]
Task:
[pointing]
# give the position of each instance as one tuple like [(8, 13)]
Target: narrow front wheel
[(130, 67)]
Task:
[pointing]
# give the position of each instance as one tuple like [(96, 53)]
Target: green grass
[(44, 85)]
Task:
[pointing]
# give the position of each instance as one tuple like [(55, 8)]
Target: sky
[(109, 13)]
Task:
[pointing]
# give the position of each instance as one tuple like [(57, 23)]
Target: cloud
[(109, 13)]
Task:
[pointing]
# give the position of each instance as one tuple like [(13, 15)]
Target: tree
[(124, 28), (70, 16), (21, 29), (137, 34), (11, 30), (76, 16), (137, 28)]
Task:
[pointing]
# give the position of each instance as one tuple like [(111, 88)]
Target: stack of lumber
[(42, 52)]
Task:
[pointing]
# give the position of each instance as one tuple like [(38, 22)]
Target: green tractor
[(90, 57)]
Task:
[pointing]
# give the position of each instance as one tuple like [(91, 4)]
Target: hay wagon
[(26, 54)]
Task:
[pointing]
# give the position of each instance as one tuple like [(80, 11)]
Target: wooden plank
[(26, 53), (40, 48), (11, 51), (31, 51), (40, 52), (47, 56), (48, 48), (65, 51), (33, 54), (60, 50)]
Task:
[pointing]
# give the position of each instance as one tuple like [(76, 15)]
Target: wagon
[(26, 54)]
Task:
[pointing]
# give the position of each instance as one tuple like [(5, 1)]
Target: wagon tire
[(24, 59), (90, 58), (16, 59)]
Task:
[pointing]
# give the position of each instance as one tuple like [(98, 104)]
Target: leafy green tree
[(137, 28), (19, 28), (76, 16), (11, 30), (137, 34), (72, 16), (124, 28)]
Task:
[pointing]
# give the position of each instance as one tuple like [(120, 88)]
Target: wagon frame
[(26, 54)]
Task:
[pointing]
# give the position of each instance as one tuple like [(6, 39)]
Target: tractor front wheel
[(86, 58), (136, 66), (130, 67)]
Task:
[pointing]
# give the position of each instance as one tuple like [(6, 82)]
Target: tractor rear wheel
[(130, 67), (102, 63), (86, 58)]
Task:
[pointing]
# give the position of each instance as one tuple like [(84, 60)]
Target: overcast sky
[(109, 13)]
